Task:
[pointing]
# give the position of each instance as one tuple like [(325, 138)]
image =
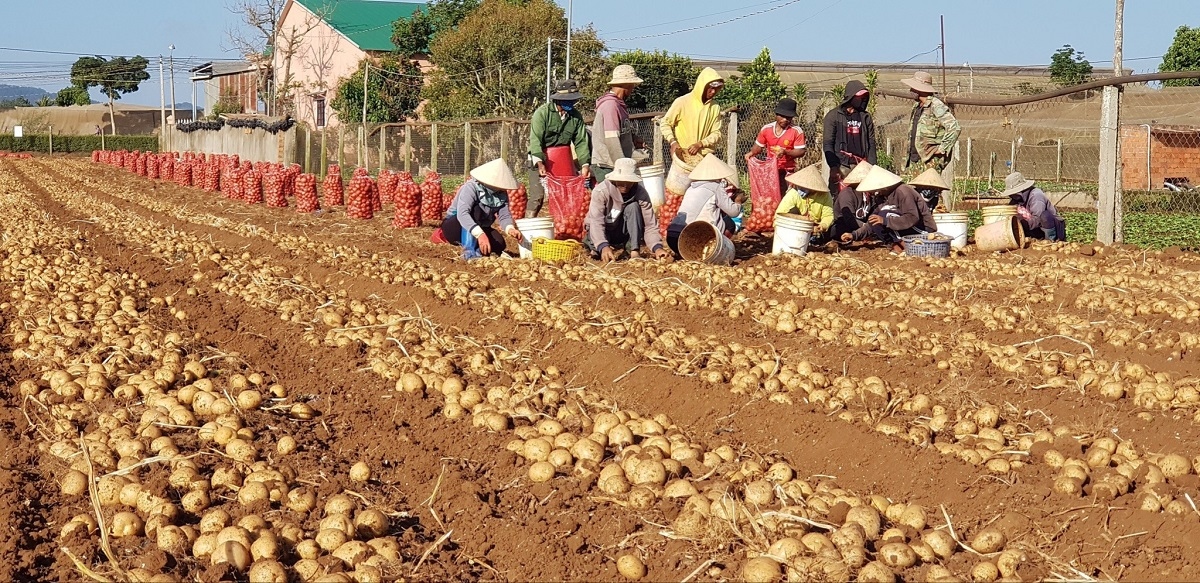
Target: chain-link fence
[(1055, 142)]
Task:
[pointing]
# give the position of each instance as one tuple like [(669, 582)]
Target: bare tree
[(260, 39)]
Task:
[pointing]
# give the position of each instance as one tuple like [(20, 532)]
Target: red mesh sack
[(518, 200), (358, 199), (333, 188), (252, 191), (568, 199), (387, 186), (152, 167), (764, 194), (306, 194), (273, 189), (433, 205), (667, 212)]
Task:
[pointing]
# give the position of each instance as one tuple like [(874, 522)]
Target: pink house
[(319, 42)]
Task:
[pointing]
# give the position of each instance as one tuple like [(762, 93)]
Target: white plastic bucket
[(998, 212), (654, 178), (791, 235), (532, 229), (700, 241), (953, 225)]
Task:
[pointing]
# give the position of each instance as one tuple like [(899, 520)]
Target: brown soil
[(504, 527)]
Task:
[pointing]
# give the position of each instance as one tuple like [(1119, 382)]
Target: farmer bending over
[(929, 185), (480, 203), (851, 207), (900, 211), (622, 216), (1038, 216), (809, 198), (712, 198)]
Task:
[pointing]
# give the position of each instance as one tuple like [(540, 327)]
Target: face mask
[(859, 103), (492, 198), (567, 106)]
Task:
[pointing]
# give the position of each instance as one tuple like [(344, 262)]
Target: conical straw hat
[(495, 174), (858, 173), (878, 179), (929, 179), (712, 168), (809, 179)]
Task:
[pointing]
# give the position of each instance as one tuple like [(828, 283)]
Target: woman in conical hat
[(708, 199), (899, 210), (479, 205), (809, 198), (929, 185)]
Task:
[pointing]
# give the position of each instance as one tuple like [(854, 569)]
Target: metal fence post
[(970, 147), (1058, 163), (466, 147), (362, 147), (308, 150), (382, 148), (433, 147), (341, 146), (407, 148), (1012, 156), (324, 155), (991, 169), (731, 141), (887, 149), (505, 127), (656, 149)]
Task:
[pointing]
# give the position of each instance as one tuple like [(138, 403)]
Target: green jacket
[(934, 127), (548, 128)]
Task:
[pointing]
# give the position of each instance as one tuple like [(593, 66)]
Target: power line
[(711, 25), (790, 27), (692, 18)]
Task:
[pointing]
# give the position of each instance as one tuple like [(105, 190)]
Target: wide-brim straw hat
[(878, 179), (712, 168), (496, 174), (808, 179), (1016, 183), (624, 75), (624, 170), (566, 90), (929, 179), (860, 171), (921, 82)]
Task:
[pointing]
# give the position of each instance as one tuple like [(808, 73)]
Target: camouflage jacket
[(933, 127)]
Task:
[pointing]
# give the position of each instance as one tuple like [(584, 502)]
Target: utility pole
[(162, 95), (363, 133), (549, 66), (943, 51), (1108, 219), (570, 18), (172, 59)]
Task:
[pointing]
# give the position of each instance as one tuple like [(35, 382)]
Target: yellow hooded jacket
[(690, 120)]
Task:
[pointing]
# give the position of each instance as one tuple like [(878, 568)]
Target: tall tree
[(393, 92), (413, 35), (115, 77), (261, 39), (665, 75), (1183, 55), (1069, 67), (72, 95), (757, 83), (493, 63)]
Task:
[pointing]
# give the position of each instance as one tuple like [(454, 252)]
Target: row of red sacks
[(274, 184)]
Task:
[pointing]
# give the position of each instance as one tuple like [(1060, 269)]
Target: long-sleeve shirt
[(612, 132), (818, 206), (1042, 211), (692, 120), (907, 210), (474, 215), (704, 201), (849, 205), (934, 127), (550, 128), (605, 200)]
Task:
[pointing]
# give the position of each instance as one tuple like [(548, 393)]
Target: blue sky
[(1011, 32)]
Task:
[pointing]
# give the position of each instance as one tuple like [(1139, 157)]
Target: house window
[(319, 106)]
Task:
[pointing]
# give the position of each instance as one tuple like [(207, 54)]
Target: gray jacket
[(704, 201)]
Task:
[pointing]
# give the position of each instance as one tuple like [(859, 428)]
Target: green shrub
[(77, 144)]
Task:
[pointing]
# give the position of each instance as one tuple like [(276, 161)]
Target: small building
[(320, 42), (229, 83), (1153, 154)]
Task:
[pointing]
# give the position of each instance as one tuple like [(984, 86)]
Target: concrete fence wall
[(256, 145)]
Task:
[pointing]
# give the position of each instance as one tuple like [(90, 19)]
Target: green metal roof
[(367, 23)]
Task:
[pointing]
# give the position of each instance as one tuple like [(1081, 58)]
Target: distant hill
[(33, 94)]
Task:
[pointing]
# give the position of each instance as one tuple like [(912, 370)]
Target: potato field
[(201, 389)]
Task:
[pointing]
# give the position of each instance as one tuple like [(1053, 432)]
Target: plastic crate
[(551, 250), (920, 246)]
